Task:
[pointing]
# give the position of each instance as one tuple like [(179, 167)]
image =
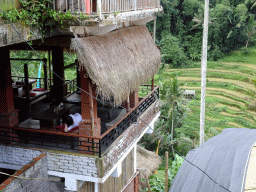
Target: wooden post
[(78, 83), (154, 32), (8, 115), (91, 123), (27, 87), (50, 71), (58, 68), (45, 74), (166, 171), (152, 84), (91, 102)]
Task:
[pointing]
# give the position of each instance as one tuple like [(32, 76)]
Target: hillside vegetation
[(230, 96)]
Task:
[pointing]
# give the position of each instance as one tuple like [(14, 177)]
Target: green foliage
[(172, 52), (231, 26), (33, 66), (173, 111), (176, 164), (157, 183), (38, 14)]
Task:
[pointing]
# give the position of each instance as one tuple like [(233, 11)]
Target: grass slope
[(230, 94)]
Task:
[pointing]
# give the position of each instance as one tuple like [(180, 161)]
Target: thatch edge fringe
[(118, 62)]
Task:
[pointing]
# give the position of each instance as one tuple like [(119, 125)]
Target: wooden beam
[(71, 65), (24, 59)]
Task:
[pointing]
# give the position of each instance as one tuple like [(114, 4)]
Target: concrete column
[(8, 115)]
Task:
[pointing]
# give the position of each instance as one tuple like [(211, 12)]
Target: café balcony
[(109, 93), (136, 119)]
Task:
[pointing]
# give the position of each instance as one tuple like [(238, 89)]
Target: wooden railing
[(40, 83), (70, 87), (108, 6), (103, 6), (79, 6)]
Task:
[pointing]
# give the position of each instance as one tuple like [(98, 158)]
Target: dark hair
[(68, 120)]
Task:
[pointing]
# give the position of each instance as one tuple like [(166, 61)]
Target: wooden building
[(117, 57)]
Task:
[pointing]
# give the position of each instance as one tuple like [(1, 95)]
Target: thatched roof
[(147, 163), (120, 61)]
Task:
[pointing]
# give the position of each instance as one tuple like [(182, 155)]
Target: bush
[(157, 184), (172, 52)]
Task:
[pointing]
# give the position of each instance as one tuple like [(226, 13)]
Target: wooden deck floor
[(26, 121)]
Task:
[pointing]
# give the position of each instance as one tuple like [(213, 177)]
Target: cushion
[(30, 94), (39, 89), (62, 127)]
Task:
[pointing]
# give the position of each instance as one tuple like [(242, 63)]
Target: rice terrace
[(230, 92)]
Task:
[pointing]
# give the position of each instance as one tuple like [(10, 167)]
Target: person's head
[(68, 120)]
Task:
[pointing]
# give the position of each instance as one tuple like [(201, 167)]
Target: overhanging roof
[(224, 158), (120, 61)]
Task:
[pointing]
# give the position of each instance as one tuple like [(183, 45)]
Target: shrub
[(172, 52)]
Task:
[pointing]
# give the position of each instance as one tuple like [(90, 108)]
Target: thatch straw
[(147, 163), (120, 61)]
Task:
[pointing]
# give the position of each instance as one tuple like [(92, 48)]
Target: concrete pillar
[(8, 115)]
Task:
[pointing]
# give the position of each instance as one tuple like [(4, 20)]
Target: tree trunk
[(247, 42), (172, 138)]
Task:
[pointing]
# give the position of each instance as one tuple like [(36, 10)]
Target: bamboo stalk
[(148, 185), (92, 115), (91, 105), (166, 171), (157, 149)]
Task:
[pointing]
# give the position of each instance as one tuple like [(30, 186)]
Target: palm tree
[(250, 29), (173, 106)]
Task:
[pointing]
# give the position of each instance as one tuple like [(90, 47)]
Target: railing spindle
[(54, 6), (73, 6)]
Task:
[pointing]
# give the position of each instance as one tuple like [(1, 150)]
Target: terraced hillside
[(230, 96)]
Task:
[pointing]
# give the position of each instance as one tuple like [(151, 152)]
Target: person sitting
[(71, 121)]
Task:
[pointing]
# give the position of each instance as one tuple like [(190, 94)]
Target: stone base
[(85, 128), (9, 119)]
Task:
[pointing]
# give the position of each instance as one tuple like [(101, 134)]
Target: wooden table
[(50, 118)]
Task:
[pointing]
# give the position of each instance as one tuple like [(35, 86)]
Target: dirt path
[(252, 66), (228, 92), (235, 116), (225, 99), (234, 125), (248, 86), (213, 70)]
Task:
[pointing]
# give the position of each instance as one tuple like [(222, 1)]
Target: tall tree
[(250, 29)]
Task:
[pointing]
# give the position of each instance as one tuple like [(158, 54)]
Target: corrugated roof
[(224, 158)]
